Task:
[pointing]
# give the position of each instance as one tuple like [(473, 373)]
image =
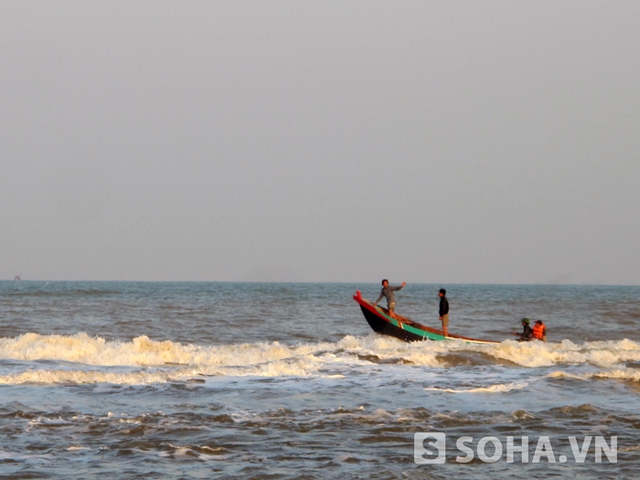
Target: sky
[(321, 141)]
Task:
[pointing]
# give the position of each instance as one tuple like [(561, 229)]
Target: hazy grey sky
[(426, 141)]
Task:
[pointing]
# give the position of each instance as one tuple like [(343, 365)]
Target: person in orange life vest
[(539, 331)]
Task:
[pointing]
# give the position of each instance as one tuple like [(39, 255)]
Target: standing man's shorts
[(392, 307), (445, 320)]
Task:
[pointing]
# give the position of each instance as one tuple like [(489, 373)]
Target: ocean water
[(287, 380)]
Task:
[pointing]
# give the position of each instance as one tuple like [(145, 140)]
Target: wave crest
[(274, 359)]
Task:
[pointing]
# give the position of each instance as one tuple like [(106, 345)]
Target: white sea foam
[(388, 348), (81, 377), (142, 351), (162, 361), (76, 448), (527, 354), (538, 354), (631, 374), (497, 388)]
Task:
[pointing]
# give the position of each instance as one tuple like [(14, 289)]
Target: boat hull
[(384, 327)]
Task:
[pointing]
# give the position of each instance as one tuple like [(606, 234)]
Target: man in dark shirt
[(527, 333), (444, 311), (387, 292)]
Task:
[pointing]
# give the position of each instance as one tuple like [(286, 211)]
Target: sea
[(208, 380)]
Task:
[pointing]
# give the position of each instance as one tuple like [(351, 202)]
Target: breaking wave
[(498, 388), (630, 374), (161, 361)]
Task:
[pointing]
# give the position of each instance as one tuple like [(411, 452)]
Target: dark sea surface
[(287, 380)]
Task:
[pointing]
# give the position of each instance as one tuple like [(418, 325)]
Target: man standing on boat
[(387, 292), (444, 311)]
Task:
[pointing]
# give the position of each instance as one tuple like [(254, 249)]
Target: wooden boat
[(402, 327)]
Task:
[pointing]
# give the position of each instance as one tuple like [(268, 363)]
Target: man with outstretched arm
[(387, 292)]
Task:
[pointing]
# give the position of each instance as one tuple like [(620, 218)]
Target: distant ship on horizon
[(17, 278)]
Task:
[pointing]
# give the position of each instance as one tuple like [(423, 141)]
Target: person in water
[(444, 311), (387, 292), (527, 333), (539, 331)]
